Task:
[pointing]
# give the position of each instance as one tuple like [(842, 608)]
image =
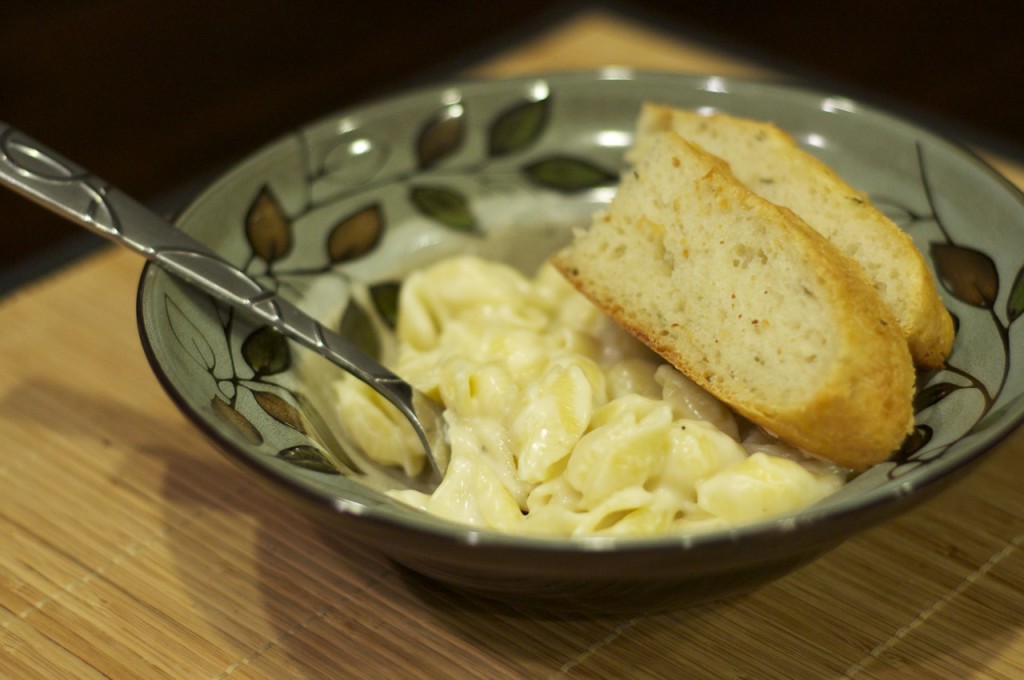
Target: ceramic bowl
[(337, 212)]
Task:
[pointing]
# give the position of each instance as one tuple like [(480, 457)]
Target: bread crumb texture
[(749, 301), (772, 165)]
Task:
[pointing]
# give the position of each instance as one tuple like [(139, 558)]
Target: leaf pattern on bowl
[(270, 233), (440, 137), (267, 228), (447, 206), (231, 416), (443, 165), (265, 353), (435, 188), (518, 127), (356, 234), (972, 278), (357, 327), (308, 457), (567, 174), (279, 409), (385, 300), (1015, 302), (969, 275)]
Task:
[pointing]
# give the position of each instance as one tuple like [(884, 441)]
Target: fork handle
[(69, 190)]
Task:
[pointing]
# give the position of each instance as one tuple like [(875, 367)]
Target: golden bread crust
[(772, 165), (751, 303)]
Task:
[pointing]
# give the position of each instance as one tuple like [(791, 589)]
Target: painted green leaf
[(239, 423), (448, 207), (567, 174), (385, 299), (933, 394), (279, 409), (189, 336), (967, 274), (267, 228), (517, 127), (266, 352), (441, 137), (358, 329), (356, 234), (1015, 304), (309, 458)]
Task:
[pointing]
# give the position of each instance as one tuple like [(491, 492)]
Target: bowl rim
[(862, 511)]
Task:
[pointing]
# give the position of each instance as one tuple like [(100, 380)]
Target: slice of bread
[(774, 167), (750, 302)]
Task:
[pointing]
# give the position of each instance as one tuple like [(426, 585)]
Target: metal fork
[(46, 177)]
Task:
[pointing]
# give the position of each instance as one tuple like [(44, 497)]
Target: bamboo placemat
[(130, 548)]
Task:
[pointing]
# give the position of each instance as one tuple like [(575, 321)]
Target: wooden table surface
[(130, 548)]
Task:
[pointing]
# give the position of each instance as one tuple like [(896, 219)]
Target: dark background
[(153, 95)]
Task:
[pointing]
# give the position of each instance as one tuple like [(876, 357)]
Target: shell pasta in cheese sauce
[(561, 423)]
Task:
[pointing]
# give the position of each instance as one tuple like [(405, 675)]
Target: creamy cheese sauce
[(561, 423)]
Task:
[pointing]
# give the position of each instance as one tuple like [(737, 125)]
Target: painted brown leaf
[(448, 207), (309, 458), (356, 235), (441, 137), (267, 228), (266, 351), (967, 274), (567, 174), (358, 329), (518, 127), (279, 409), (239, 423)]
